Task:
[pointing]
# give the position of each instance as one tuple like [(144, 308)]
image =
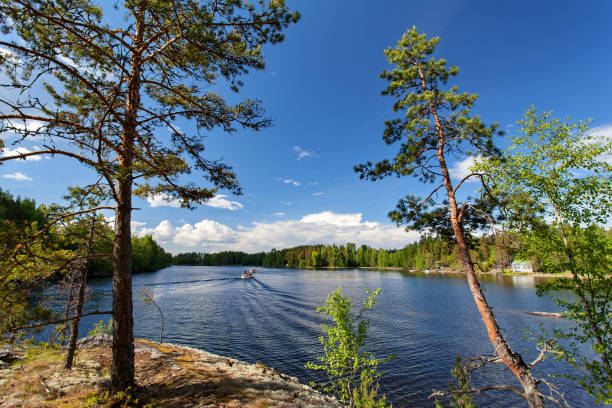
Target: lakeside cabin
[(522, 266)]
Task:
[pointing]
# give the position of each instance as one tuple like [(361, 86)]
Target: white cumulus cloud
[(303, 153), (200, 235), (319, 228), (218, 201), (461, 169), (290, 181), (163, 200), (16, 176), (18, 151), (603, 134), (328, 217), (221, 201)]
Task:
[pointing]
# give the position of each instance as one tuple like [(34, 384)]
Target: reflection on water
[(425, 319)]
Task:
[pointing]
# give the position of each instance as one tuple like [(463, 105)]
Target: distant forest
[(429, 252), (489, 252)]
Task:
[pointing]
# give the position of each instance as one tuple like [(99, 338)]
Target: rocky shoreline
[(167, 375)]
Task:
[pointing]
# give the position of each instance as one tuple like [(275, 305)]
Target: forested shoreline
[(21, 218), (491, 253)]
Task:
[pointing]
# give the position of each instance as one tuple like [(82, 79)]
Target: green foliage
[(130, 398), (148, 256), (558, 170), (37, 245), (462, 375), (20, 210), (31, 255), (592, 251), (350, 370), (40, 351), (100, 328), (366, 395), (432, 119)]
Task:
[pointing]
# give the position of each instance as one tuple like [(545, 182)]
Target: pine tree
[(433, 123), (115, 86)]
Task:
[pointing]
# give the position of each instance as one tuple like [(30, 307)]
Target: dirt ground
[(167, 375)]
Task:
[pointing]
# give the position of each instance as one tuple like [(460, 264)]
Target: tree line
[(493, 252), (20, 214), (47, 255)]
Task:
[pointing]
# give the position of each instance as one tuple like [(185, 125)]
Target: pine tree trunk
[(122, 366), (74, 325), (67, 308), (513, 360)]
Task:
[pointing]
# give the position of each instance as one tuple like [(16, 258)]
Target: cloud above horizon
[(603, 134), (187, 236), (304, 153), (461, 169), (289, 181), (218, 201), (163, 200), (18, 151), (17, 176), (221, 201), (324, 227)]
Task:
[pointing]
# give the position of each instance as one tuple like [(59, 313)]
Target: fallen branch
[(477, 391), (41, 379), (547, 314)]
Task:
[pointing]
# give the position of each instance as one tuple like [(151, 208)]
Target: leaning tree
[(433, 125), (106, 85)]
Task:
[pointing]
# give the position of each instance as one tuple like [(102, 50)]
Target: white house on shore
[(522, 266)]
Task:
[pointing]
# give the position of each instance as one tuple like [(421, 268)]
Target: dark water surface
[(425, 320)]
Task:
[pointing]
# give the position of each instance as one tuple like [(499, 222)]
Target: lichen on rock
[(167, 375)]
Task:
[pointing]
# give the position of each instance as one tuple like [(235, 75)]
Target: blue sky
[(321, 88)]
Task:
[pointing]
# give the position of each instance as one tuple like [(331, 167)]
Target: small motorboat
[(248, 274)]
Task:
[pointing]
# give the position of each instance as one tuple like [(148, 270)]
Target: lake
[(424, 319)]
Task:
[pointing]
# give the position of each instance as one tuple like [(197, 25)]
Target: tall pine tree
[(116, 81), (433, 124)]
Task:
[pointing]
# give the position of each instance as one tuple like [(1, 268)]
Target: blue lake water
[(424, 319)]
